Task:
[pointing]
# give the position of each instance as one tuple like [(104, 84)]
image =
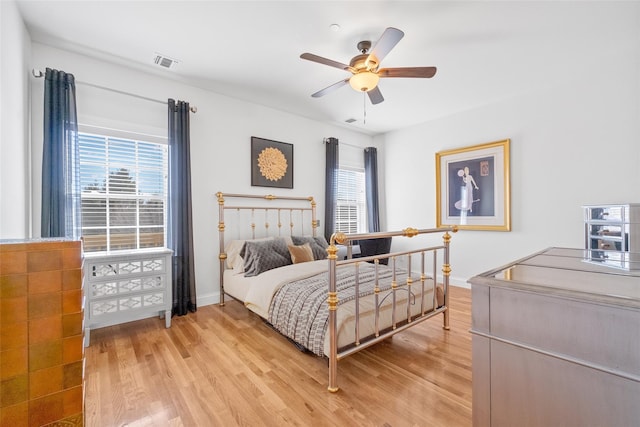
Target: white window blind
[(124, 193), (350, 203)]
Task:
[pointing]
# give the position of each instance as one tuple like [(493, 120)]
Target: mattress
[(258, 292)]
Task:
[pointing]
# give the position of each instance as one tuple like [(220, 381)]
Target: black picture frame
[(271, 163)]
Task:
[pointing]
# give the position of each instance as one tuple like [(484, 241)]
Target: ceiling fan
[(365, 67)]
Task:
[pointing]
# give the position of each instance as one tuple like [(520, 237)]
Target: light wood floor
[(222, 366)]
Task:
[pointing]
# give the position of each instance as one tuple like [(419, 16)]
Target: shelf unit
[(612, 234), (126, 287)]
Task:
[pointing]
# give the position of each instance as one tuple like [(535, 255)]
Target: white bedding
[(257, 292)]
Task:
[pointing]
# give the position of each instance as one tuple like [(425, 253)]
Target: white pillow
[(288, 240), (233, 248)]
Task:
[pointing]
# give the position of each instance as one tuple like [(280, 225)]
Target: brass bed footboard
[(399, 322)]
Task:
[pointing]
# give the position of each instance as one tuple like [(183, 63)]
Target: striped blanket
[(299, 309)]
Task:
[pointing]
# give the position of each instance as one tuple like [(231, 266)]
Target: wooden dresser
[(556, 342), (41, 327)]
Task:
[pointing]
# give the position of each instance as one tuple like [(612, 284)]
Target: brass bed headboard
[(269, 209)]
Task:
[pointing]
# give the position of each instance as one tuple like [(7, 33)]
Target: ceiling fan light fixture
[(364, 81)]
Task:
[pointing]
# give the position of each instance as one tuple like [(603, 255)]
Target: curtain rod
[(324, 140), (39, 74)]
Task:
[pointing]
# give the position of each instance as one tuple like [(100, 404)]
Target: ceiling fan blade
[(383, 46), (325, 61), (331, 88), (424, 72), (375, 96)]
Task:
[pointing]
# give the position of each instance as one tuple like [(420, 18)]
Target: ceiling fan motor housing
[(363, 67), (358, 62)]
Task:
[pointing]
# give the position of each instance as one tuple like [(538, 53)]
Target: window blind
[(350, 203), (124, 193)]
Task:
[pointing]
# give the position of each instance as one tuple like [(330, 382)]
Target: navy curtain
[(60, 213), (180, 226), (371, 188), (331, 186)]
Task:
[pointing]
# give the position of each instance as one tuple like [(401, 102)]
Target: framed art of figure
[(271, 163), (473, 188)]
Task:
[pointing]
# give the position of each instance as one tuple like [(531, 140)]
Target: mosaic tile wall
[(41, 333)]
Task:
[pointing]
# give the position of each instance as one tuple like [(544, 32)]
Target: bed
[(274, 262)]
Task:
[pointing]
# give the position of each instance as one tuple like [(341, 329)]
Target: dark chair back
[(372, 247)]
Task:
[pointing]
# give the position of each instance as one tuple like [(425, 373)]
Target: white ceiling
[(484, 51)]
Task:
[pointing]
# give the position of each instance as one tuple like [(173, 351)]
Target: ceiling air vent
[(164, 61), (350, 120)]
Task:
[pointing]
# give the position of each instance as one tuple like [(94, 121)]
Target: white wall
[(220, 140), (575, 140), (14, 119)]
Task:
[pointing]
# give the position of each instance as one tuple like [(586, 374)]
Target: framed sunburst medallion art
[(271, 163)]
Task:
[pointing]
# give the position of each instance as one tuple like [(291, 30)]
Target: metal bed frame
[(399, 322)]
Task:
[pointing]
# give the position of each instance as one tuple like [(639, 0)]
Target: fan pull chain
[(364, 107)]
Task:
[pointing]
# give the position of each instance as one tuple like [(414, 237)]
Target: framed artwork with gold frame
[(271, 163), (473, 187)]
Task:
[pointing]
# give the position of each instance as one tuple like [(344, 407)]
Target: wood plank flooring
[(222, 366)]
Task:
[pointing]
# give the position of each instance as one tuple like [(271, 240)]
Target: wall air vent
[(164, 61), (350, 120)]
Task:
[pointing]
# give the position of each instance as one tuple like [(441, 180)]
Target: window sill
[(151, 251)]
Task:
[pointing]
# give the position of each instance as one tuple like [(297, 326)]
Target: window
[(124, 193), (350, 205)]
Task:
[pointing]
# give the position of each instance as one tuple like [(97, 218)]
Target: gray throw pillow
[(261, 256), (316, 243), (321, 241)]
